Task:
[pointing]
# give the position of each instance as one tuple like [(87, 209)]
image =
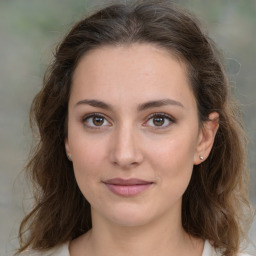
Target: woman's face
[(133, 133)]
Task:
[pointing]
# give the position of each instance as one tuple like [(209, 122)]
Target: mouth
[(129, 187)]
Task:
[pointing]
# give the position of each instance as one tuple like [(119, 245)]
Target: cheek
[(88, 157), (173, 163), (86, 165), (87, 150), (178, 151)]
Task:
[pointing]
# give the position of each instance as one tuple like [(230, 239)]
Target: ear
[(67, 147), (206, 138)]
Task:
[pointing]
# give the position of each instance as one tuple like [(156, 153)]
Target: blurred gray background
[(29, 32)]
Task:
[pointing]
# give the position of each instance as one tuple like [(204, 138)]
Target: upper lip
[(125, 182)]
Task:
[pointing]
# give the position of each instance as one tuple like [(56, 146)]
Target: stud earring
[(69, 157), (201, 157)]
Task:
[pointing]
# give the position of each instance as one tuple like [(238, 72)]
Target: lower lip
[(128, 190)]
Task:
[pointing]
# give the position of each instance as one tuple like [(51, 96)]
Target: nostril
[(125, 164), (124, 151)]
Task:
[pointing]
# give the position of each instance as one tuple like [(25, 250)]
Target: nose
[(125, 148)]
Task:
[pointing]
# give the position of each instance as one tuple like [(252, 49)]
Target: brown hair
[(215, 202)]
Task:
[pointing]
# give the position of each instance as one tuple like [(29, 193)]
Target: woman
[(141, 149)]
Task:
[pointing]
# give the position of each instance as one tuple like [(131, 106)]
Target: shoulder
[(61, 250), (209, 250)]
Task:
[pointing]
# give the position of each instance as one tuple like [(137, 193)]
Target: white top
[(63, 251)]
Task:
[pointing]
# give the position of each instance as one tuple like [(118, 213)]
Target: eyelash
[(85, 119), (161, 115), (157, 114)]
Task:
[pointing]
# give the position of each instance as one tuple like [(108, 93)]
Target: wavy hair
[(215, 204)]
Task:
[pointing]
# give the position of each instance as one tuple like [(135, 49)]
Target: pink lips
[(130, 187)]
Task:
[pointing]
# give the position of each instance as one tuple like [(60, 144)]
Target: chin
[(129, 217)]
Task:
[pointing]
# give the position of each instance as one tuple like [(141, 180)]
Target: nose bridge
[(125, 146)]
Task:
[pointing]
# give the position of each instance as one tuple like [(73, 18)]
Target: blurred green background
[(29, 32)]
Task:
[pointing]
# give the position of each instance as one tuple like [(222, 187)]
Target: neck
[(155, 238)]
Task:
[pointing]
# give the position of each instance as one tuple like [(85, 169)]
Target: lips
[(130, 187)]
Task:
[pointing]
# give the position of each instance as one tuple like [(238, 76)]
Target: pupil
[(98, 120), (158, 121)]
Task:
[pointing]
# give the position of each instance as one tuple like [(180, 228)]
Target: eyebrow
[(159, 103), (141, 107)]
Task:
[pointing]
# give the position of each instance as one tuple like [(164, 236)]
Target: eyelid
[(162, 114), (169, 117), (94, 114)]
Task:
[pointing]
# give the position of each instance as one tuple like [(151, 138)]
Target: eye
[(160, 120), (95, 120)]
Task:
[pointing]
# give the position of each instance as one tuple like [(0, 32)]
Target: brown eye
[(98, 120), (95, 121), (158, 120)]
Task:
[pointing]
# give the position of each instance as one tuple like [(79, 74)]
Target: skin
[(130, 143)]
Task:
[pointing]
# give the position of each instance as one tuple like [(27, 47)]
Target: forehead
[(140, 70), (136, 55)]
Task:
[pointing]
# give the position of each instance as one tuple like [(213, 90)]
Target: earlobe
[(68, 149), (206, 138)]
